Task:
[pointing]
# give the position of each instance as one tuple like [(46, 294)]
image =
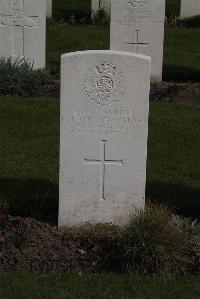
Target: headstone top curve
[(105, 52)]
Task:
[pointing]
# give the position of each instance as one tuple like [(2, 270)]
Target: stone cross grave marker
[(103, 137), (138, 43), (22, 30), (103, 162), (190, 8), (138, 26)]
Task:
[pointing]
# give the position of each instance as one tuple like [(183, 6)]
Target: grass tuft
[(152, 242), (17, 77)]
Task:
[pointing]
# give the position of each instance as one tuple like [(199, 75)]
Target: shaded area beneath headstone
[(30, 197), (180, 73), (39, 198), (183, 200)]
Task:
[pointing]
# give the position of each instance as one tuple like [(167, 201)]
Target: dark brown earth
[(51, 89), (175, 92), (28, 244)]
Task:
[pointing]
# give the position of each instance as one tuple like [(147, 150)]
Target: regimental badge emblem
[(138, 3), (104, 84)]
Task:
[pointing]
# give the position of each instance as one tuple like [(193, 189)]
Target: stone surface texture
[(103, 137), (49, 8), (138, 26), (23, 30), (190, 8), (105, 4)]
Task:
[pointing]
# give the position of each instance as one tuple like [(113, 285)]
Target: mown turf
[(173, 7), (174, 157), (61, 7), (107, 286), (29, 153), (30, 148), (65, 38), (181, 49), (181, 54)]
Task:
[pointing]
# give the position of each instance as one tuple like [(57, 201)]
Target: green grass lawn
[(29, 153), (62, 39), (181, 54), (173, 7), (30, 148), (60, 7), (108, 286), (174, 157), (181, 50)]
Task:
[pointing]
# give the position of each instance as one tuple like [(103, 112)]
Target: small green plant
[(153, 242), (17, 77), (101, 17), (187, 225), (192, 251)]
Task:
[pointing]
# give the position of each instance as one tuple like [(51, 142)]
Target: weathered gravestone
[(138, 26), (101, 4), (49, 8), (190, 8), (103, 141), (23, 30)]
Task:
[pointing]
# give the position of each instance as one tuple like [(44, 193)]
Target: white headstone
[(23, 30), (103, 141), (138, 26), (101, 4), (49, 8), (190, 8)]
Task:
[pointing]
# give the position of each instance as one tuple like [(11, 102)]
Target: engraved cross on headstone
[(18, 21), (103, 162), (137, 43)]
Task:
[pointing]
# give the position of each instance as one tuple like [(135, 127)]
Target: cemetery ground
[(173, 7), (180, 62), (29, 150), (109, 286), (60, 7)]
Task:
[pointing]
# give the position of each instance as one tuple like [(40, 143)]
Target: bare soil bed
[(28, 244), (175, 92)]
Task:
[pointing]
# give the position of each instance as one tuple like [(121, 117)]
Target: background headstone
[(49, 8), (103, 141), (138, 26), (23, 30), (190, 8), (105, 4)]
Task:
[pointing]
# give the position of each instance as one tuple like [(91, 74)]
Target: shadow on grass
[(39, 198), (180, 74), (78, 14), (30, 198), (183, 200)]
